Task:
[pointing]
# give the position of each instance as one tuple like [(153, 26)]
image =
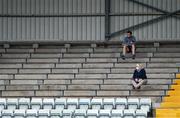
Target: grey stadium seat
[(67, 113), (60, 103), (133, 103), (12, 103), (80, 113), (96, 103), (43, 113), (84, 103), (36, 103), (55, 113), (2, 103), (140, 113), (117, 113), (129, 113), (72, 103), (121, 103), (92, 113), (7, 113), (19, 113), (104, 113), (145, 103), (108, 103), (48, 103), (24, 103), (31, 113)]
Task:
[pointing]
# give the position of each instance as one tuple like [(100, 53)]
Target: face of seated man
[(128, 34)]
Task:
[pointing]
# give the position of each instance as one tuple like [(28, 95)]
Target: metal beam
[(48, 15), (144, 23), (152, 7), (107, 19)]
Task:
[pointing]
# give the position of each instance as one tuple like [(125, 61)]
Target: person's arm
[(124, 41), (134, 75), (144, 74), (133, 39)]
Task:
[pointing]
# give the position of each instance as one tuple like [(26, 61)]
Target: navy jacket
[(139, 74)]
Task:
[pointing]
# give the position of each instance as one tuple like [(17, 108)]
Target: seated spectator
[(129, 45), (139, 77)]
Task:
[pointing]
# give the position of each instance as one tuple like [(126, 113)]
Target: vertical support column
[(107, 19)]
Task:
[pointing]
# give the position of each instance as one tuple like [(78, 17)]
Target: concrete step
[(101, 71), (34, 66), (117, 50), (83, 87), (172, 55), (22, 87), (148, 75), (128, 81), (2, 50), (18, 93), (10, 66), (86, 81), (65, 71), (109, 55), (113, 93), (46, 56), (4, 82), (50, 50), (18, 50), (52, 87), (148, 70), (25, 82), (137, 60), (168, 49), (56, 82), (167, 60), (61, 76), (44, 93), (80, 50), (101, 60), (98, 65), (39, 61), (72, 60), (79, 93), (37, 71), (89, 76), (129, 87), (72, 65), (8, 71), (148, 93), (80, 55), (15, 56), (12, 61), (162, 65), (127, 65)]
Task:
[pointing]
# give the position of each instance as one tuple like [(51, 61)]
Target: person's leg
[(141, 82), (133, 51), (124, 52), (134, 84)]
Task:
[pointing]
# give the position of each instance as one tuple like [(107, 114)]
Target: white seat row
[(75, 103), (78, 113)]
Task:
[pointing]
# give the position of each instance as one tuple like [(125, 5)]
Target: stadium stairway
[(170, 106), (85, 70)]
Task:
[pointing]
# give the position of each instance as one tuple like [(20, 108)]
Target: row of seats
[(77, 113), (75, 103)]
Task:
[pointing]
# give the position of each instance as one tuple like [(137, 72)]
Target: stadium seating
[(97, 107), (85, 73)]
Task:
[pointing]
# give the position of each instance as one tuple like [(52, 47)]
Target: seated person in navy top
[(139, 77), (129, 45)]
